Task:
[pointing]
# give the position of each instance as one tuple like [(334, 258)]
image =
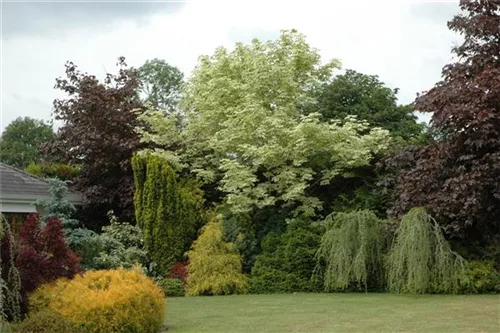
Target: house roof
[(19, 186)]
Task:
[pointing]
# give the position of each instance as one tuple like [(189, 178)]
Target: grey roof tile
[(19, 184)]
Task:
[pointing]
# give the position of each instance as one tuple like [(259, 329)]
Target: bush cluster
[(47, 321), (112, 301), (53, 170), (482, 277), (172, 287), (287, 261)]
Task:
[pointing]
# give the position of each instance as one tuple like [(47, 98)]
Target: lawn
[(315, 313)]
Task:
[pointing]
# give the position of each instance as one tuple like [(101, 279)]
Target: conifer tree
[(215, 266), (168, 210)]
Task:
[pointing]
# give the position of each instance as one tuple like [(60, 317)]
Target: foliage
[(172, 287), (114, 301), (215, 266), (47, 321), (53, 170), (366, 97), (286, 263), (483, 277), (98, 135), (457, 178), (363, 190), (244, 130), (179, 271), (5, 326), (161, 84), (352, 249), (421, 260), (44, 255), (120, 245), (21, 139), (81, 240), (239, 230), (369, 99), (10, 281), (169, 210)]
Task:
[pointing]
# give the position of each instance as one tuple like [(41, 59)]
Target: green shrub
[(5, 326), (239, 230), (47, 321), (287, 261), (483, 277), (215, 266), (120, 245), (172, 287), (53, 170)]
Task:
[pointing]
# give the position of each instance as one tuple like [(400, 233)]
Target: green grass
[(315, 313)]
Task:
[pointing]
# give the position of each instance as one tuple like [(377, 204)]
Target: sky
[(406, 43)]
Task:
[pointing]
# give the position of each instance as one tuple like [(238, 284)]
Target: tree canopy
[(244, 129), (98, 135), (458, 178), (368, 98), (160, 84), (21, 139)]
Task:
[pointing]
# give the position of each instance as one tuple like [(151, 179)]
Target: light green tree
[(243, 128)]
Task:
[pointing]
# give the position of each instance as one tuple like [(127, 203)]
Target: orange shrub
[(112, 301)]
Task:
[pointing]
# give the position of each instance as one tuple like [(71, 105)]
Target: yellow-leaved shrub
[(215, 266), (111, 301)]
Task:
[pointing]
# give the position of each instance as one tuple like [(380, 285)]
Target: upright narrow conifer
[(168, 209)]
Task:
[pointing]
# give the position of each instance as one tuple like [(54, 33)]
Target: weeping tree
[(168, 209), (10, 280), (351, 251), (421, 260)]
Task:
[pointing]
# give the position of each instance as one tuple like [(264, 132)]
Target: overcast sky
[(406, 43)]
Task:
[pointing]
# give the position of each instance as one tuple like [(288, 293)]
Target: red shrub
[(178, 271), (44, 255)]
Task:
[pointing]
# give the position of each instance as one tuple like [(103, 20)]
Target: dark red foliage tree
[(44, 255), (458, 176), (98, 136)]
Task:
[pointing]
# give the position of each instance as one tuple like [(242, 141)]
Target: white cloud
[(387, 38)]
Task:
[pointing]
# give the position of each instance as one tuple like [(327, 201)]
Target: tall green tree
[(371, 100), (21, 140), (161, 84), (367, 98), (245, 133), (169, 210), (98, 135)]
